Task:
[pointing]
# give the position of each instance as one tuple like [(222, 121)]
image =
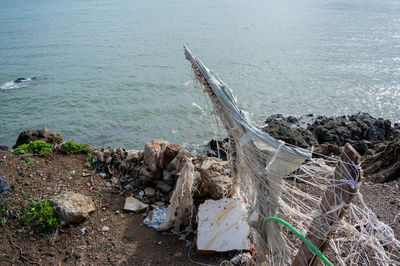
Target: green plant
[(38, 146), (377, 154), (73, 147), (40, 216), (26, 161), (397, 140)]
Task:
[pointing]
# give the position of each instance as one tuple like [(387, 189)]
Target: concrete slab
[(222, 226)]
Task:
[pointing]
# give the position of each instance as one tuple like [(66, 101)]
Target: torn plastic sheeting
[(226, 98)]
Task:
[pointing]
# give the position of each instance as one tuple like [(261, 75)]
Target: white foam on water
[(16, 85)]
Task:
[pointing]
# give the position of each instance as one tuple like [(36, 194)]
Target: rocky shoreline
[(377, 140), (119, 182)]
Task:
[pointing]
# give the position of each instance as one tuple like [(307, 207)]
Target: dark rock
[(38, 134), (361, 126), (385, 165), (164, 187), (5, 186), (3, 148), (280, 129), (217, 147), (327, 149)]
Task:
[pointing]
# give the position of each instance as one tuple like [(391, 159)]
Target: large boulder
[(72, 208), (38, 134)]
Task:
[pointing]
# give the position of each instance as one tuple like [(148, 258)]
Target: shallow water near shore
[(113, 73)]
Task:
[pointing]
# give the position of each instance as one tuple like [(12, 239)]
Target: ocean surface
[(113, 72)]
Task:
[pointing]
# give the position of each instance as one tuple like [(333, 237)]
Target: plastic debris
[(156, 217)]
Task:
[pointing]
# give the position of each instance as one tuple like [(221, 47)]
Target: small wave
[(18, 83)]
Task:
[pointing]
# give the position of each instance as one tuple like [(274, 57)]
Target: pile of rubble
[(151, 174), (172, 185)]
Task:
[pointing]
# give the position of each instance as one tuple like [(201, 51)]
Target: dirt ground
[(128, 242)]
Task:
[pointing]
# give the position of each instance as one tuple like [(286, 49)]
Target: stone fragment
[(153, 156), (149, 191), (222, 226), (5, 186), (132, 204), (171, 151), (105, 229), (164, 187), (38, 134), (243, 259), (72, 207), (145, 178)]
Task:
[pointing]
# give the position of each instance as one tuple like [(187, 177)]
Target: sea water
[(113, 72)]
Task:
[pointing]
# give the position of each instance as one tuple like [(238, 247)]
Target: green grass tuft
[(26, 161), (40, 216), (72, 147), (38, 146)]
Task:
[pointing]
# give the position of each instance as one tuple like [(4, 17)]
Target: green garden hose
[(294, 230)]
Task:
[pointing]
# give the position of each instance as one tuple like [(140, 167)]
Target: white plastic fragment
[(222, 226)]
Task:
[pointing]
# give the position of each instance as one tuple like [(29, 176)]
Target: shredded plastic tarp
[(260, 166)]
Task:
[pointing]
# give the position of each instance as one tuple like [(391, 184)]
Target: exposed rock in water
[(72, 207), (357, 127), (38, 134), (361, 130), (385, 165)]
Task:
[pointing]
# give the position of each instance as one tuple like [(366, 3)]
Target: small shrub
[(40, 216), (38, 146), (397, 140), (89, 160), (73, 147), (26, 161)]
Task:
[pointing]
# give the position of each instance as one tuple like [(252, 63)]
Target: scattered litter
[(141, 194), (83, 231), (102, 174)]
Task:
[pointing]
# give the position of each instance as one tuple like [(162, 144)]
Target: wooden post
[(339, 193)]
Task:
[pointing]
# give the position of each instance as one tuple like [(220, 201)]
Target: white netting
[(312, 194)]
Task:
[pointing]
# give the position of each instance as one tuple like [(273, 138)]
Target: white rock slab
[(132, 204), (222, 226)]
